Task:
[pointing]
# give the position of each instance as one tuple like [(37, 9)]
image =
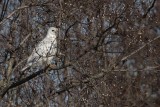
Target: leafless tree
[(108, 53)]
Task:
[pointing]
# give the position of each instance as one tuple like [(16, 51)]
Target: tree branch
[(11, 85), (149, 9), (134, 52)]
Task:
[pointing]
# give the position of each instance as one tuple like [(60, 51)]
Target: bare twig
[(11, 14), (149, 9), (25, 39), (134, 52)]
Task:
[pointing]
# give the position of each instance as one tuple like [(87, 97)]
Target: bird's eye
[(52, 30)]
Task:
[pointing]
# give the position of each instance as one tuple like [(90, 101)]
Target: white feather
[(45, 51)]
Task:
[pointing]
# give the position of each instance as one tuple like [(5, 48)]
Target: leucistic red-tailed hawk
[(45, 51)]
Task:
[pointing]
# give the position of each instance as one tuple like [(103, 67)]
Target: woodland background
[(110, 53)]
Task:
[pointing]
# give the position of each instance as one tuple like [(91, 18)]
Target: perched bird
[(45, 51)]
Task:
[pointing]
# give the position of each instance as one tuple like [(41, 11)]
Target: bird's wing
[(47, 47), (45, 50)]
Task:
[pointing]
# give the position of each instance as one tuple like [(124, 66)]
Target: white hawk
[(45, 51)]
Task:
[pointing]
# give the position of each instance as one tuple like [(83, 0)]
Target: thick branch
[(26, 79)]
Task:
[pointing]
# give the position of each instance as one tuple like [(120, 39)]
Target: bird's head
[(53, 31)]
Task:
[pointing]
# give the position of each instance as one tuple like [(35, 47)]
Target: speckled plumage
[(45, 51)]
